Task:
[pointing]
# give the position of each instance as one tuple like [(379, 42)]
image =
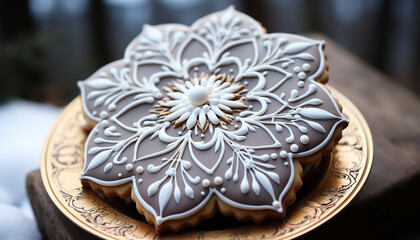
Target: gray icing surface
[(215, 108)]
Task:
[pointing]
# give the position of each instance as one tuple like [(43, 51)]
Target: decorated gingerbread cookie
[(218, 116)]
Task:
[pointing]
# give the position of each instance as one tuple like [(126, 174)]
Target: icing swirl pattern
[(218, 108)]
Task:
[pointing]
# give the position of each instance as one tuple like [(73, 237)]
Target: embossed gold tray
[(333, 185)]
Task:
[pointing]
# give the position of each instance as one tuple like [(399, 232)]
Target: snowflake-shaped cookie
[(218, 109)]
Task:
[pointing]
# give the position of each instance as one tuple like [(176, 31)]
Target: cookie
[(218, 116)]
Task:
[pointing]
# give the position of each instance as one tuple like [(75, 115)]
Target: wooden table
[(388, 206)]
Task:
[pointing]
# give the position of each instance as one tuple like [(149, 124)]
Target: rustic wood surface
[(387, 206)]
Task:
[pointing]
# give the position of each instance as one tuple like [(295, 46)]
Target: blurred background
[(48, 45)]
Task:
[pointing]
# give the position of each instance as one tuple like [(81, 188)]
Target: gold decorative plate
[(333, 185)]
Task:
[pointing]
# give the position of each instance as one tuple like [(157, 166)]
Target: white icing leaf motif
[(153, 188), (152, 33), (108, 167), (296, 47), (189, 191), (101, 83), (177, 194), (255, 186), (316, 126), (244, 185), (305, 56), (99, 159), (265, 182), (316, 113), (164, 195)]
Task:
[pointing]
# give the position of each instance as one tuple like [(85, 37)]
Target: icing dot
[(294, 148), (119, 174), (104, 123), (94, 113), (129, 167), (104, 114), (306, 67), (276, 204), (203, 193), (304, 139), (273, 156), (198, 95), (283, 154), (301, 84), (246, 82), (139, 169), (250, 106), (285, 65), (286, 164), (196, 69), (301, 75), (296, 69), (140, 180), (231, 70), (223, 190), (236, 126), (202, 135), (180, 133), (205, 183), (218, 180)]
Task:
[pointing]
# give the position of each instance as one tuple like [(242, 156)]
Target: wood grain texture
[(387, 206)]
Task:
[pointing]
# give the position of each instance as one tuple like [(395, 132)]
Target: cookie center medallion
[(201, 101)]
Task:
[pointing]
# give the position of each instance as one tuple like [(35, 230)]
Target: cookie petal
[(107, 88), (227, 25), (156, 41), (255, 179), (111, 150)]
